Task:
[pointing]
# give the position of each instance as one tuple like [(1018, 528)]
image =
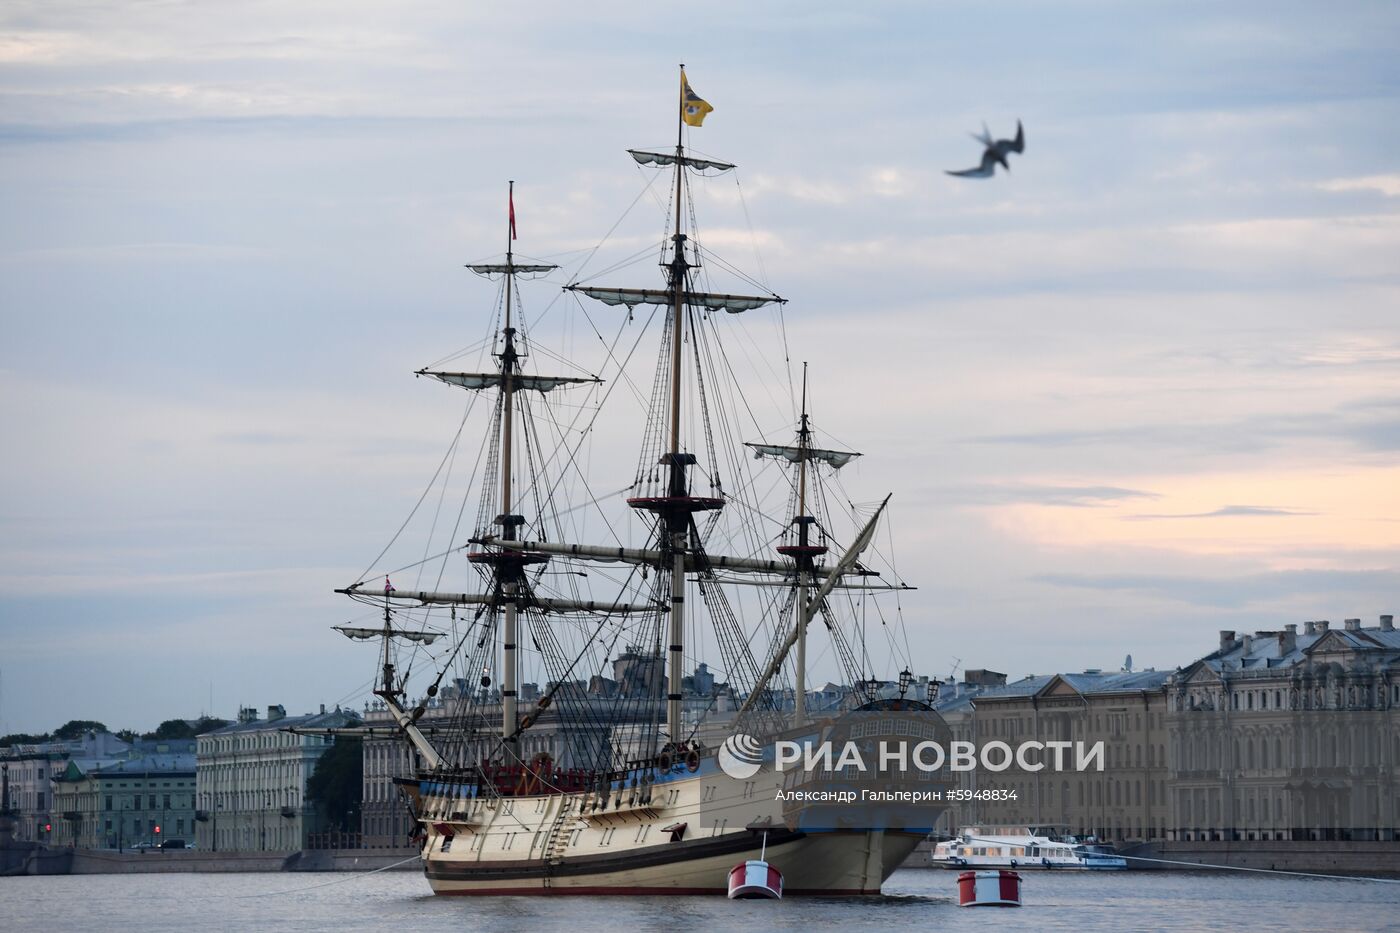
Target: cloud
[(1234, 592), (994, 494), (1388, 185), (1225, 512), (1243, 434)]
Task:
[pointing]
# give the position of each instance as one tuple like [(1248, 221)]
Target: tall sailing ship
[(627, 794)]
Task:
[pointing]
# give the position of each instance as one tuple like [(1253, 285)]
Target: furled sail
[(631, 297), (518, 380), (510, 268), (477, 599), (703, 563), (836, 458), (349, 631), (644, 157)]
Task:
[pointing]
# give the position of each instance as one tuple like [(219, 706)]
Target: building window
[(167, 801), (109, 804)]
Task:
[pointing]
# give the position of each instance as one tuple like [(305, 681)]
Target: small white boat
[(1024, 847), (755, 879), (989, 888)]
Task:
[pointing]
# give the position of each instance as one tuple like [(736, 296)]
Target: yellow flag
[(693, 108)]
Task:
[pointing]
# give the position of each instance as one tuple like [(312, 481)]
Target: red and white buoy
[(994, 888), (755, 878)]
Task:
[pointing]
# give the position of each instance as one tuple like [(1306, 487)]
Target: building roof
[(1270, 650), (327, 720), (1087, 683), (160, 763)]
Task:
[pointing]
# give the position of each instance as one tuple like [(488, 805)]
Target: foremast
[(803, 554), (804, 551)]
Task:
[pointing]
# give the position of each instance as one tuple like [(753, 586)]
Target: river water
[(923, 899)]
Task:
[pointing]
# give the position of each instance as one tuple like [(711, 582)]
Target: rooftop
[(322, 720)]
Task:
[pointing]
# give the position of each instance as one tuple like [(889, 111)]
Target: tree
[(336, 786), (172, 729), (185, 728), (75, 728), (128, 735), (24, 738)]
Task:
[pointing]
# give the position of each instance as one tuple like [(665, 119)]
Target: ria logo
[(740, 756)]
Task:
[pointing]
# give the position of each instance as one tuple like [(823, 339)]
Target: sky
[(1144, 387)]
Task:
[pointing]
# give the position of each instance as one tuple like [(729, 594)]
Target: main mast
[(676, 517), (673, 503)]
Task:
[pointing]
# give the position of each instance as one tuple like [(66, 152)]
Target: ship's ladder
[(556, 841)]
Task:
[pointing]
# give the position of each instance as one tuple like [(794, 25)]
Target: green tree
[(185, 728), (337, 785), (172, 729), (74, 729), (24, 738)]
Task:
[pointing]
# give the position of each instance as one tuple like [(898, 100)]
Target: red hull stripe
[(565, 892)]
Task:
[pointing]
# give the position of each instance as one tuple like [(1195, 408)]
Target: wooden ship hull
[(662, 842)]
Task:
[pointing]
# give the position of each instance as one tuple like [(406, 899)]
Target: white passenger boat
[(1024, 847)]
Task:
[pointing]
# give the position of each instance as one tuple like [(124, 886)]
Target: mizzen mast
[(509, 571), (508, 589)]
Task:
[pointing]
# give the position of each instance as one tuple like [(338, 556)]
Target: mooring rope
[(1265, 871), (352, 876)]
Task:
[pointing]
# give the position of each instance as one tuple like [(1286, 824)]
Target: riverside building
[(31, 770), (1288, 735), (252, 778), (142, 800), (1125, 710)]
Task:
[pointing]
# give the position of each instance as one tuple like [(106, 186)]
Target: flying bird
[(994, 153)]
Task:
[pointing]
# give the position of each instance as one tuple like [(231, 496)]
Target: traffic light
[(157, 830), (48, 827)]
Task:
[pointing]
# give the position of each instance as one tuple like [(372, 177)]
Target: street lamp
[(905, 679), (932, 692)]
